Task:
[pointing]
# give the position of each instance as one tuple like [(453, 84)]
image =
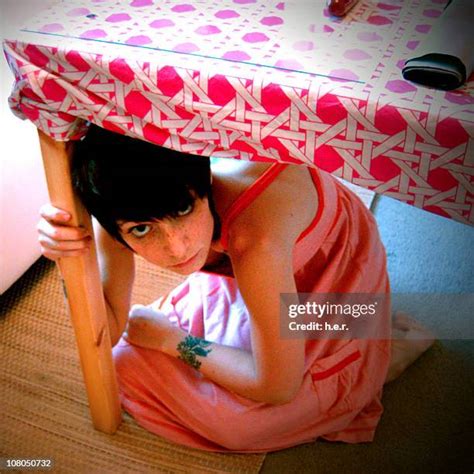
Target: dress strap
[(247, 197)]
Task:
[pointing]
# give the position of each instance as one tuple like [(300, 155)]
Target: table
[(246, 79)]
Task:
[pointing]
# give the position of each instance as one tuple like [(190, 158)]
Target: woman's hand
[(57, 237), (149, 328)]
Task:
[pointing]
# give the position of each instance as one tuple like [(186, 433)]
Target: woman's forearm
[(230, 367), (117, 272), (117, 302)]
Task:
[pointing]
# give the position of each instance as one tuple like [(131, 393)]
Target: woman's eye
[(140, 230), (185, 211)]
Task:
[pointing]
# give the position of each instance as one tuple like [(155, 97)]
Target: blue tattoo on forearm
[(191, 347)]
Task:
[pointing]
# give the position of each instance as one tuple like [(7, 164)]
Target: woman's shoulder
[(281, 211), (231, 178), (238, 173)]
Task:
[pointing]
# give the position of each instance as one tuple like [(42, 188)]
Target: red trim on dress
[(336, 368), (321, 203), (247, 197), (257, 188)]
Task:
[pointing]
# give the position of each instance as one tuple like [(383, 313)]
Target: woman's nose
[(174, 242)]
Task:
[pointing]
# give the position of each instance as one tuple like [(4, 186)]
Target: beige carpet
[(44, 411)]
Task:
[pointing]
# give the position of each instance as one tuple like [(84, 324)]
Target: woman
[(246, 233)]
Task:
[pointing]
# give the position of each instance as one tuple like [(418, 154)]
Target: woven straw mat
[(44, 411)]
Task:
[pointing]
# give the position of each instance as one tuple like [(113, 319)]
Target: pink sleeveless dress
[(340, 397)]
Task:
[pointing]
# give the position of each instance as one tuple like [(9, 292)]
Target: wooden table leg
[(84, 294)]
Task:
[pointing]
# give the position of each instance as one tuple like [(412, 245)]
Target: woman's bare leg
[(409, 340)]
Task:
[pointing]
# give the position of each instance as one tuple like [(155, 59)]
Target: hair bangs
[(120, 179)]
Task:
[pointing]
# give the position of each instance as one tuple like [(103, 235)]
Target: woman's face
[(179, 244)]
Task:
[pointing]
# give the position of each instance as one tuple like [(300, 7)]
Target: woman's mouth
[(187, 263)]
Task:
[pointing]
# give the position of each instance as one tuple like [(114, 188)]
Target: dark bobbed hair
[(119, 178)]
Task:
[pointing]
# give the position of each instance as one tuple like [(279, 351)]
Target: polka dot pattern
[(141, 3), (52, 28), (186, 48), (356, 54), (183, 8), (226, 14), (271, 21), (423, 28), (139, 40), (208, 30), (296, 36), (94, 34), (255, 37), (78, 12), (162, 23), (116, 17), (400, 86)]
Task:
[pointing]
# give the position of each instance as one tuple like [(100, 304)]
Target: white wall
[(22, 184)]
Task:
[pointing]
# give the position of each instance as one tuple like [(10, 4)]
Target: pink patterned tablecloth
[(256, 80)]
